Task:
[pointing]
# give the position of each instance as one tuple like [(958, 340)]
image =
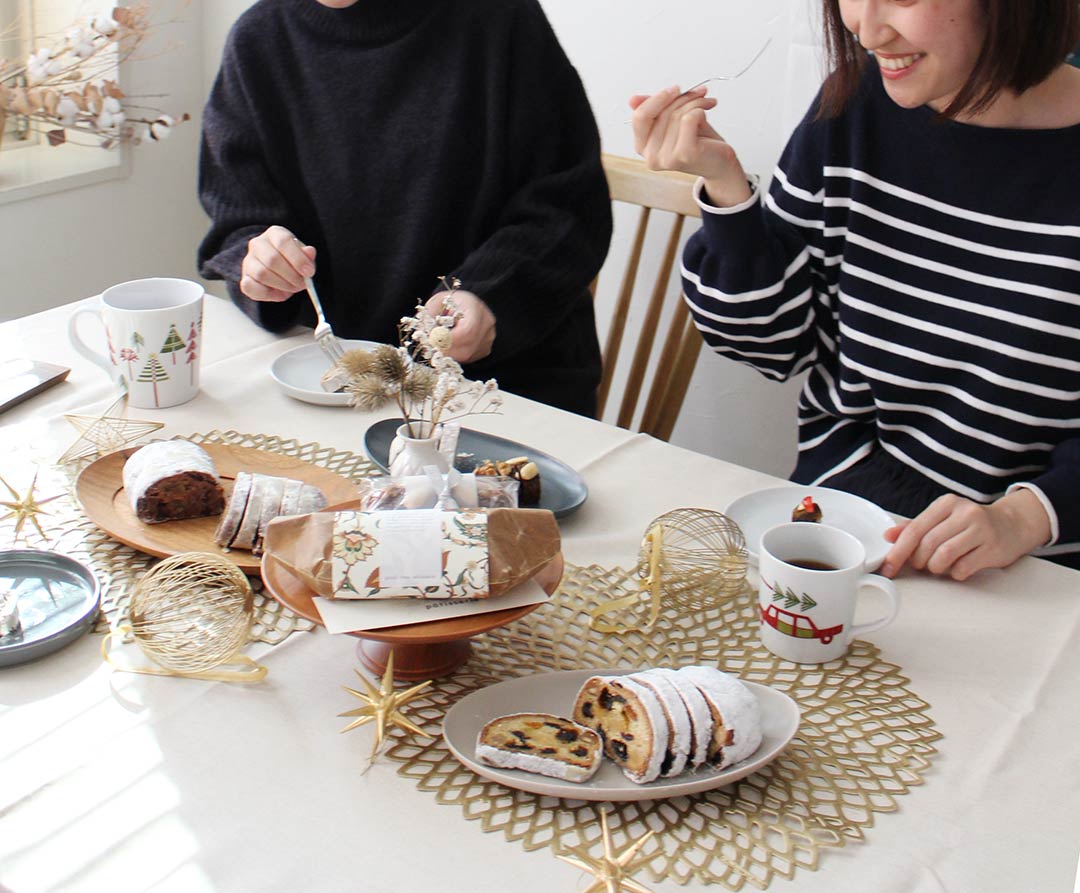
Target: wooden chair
[(630, 181)]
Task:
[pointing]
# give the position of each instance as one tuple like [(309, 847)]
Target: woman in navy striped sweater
[(918, 251)]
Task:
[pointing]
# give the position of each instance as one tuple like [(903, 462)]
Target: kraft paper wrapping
[(523, 544)]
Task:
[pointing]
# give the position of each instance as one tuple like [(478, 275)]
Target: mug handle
[(73, 333), (887, 586)]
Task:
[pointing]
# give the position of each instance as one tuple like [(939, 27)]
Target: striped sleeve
[(754, 275)]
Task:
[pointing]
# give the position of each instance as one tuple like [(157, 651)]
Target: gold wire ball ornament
[(691, 559), (191, 614)]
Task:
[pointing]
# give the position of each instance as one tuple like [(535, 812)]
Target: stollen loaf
[(521, 544)]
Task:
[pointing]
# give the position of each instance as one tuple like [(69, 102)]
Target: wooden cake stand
[(421, 650)]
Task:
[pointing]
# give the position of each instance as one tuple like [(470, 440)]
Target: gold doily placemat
[(864, 740), (118, 567)]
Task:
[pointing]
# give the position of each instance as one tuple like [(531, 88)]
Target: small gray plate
[(562, 490), (58, 602)]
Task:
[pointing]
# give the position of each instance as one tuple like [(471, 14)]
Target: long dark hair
[(1025, 41)]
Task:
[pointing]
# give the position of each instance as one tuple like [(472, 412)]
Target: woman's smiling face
[(925, 49)]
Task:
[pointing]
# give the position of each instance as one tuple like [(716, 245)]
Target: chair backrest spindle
[(630, 181)]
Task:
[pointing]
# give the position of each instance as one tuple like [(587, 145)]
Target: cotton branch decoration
[(427, 385), (68, 89)]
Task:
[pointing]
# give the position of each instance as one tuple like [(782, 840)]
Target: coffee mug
[(810, 577), (153, 332)]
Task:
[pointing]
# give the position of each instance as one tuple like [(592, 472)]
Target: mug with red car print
[(811, 575)]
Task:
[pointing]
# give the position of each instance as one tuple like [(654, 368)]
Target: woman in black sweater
[(401, 140)]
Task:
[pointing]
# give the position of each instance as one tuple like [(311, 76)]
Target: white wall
[(64, 246), (70, 244), (622, 48)]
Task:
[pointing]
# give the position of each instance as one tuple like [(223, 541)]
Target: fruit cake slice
[(736, 714), (631, 721), (680, 733), (541, 743)]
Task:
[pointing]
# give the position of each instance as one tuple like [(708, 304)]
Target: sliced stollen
[(256, 500), (680, 733), (234, 513), (701, 720), (542, 743), (736, 714), (631, 721)]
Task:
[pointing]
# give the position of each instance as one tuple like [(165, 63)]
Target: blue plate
[(58, 602), (562, 490)]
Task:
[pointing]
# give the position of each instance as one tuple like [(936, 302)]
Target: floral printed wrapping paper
[(414, 554)]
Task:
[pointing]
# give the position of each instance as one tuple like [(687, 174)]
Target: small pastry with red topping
[(807, 510)]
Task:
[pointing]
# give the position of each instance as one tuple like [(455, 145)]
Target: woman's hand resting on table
[(474, 333), (671, 134), (275, 265), (956, 537)]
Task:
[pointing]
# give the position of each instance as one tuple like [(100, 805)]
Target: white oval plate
[(555, 693), (299, 370), (758, 511)]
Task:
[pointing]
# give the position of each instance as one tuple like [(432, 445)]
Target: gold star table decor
[(611, 873), (105, 433), (25, 508), (383, 706)]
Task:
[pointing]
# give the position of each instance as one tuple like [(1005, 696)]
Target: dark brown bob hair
[(1025, 41)]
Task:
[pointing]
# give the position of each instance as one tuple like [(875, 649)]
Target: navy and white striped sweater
[(928, 274)]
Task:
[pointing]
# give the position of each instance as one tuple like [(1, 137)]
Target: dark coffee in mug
[(811, 564)]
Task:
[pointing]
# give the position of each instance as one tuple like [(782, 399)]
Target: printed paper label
[(410, 554)]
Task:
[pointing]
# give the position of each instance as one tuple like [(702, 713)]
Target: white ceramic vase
[(410, 455)]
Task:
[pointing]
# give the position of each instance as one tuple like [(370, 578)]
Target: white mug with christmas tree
[(153, 339), (810, 575)]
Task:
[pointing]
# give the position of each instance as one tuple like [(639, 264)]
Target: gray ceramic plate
[(58, 602), (555, 693), (298, 373), (562, 490)]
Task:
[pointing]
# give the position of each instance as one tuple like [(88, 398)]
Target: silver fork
[(324, 335), (731, 77)]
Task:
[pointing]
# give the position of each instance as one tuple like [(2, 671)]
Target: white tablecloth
[(119, 782)]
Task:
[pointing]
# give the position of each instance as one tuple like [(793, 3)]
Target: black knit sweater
[(407, 139)]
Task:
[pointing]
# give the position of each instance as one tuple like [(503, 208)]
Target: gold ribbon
[(246, 670), (654, 542)]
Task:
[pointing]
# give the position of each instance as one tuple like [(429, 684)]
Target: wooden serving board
[(100, 491)]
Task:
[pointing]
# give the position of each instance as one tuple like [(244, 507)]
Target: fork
[(731, 77), (324, 335)]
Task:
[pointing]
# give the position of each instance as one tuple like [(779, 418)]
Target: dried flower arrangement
[(426, 384), (70, 87)]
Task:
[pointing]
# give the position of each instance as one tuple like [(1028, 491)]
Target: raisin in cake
[(735, 712), (631, 721), (256, 500), (171, 480), (541, 743)]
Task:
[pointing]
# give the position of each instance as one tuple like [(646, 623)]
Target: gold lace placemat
[(864, 739), (118, 567)]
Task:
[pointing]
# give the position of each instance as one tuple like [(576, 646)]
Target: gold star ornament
[(25, 508), (383, 706), (612, 872), (105, 433)]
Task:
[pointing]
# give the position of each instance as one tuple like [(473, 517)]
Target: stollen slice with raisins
[(541, 743), (736, 714), (631, 721)]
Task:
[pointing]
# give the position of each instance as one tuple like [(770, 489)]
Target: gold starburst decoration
[(25, 508), (383, 706), (611, 872), (105, 433)]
